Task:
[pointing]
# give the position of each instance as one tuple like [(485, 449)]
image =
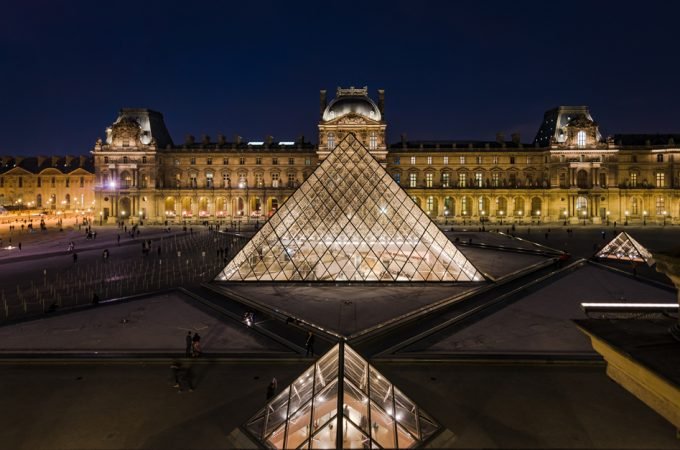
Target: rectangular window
[(512, 160), (40, 182), (259, 180), (446, 160), (495, 159), (275, 161), (428, 179), (193, 180), (2, 182), (373, 141), (242, 161), (308, 161), (53, 182), (291, 161), (479, 181), (208, 161), (633, 179), (291, 180), (479, 159), (446, 180), (413, 160), (192, 161), (412, 180), (396, 161), (177, 162), (462, 180), (209, 180), (429, 160), (660, 179), (275, 179), (462, 159), (225, 161), (68, 182), (21, 182), (464, 206), (397, 177), (660, 206), (528, 160), (258, 160), (495, 179), (143, 159), (226, 181), (633, 158), (659, 157), (106, 159)]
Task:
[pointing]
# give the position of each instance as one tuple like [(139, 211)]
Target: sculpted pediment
[(352, 119)]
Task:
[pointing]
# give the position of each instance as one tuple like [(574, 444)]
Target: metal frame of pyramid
[(341, 402), (624, 248), (349, 221)]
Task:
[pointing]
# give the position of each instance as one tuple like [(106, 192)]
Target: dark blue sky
[(450, 71)]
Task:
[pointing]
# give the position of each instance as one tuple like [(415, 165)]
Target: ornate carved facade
[(569, 172)]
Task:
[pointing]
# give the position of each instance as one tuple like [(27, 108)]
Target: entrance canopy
[(624, 247), (350, 221), (341, 402)]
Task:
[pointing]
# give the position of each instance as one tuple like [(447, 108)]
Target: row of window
[(225, 161), (372, 141), (242, 180), (39, 181), (464, 159), (124, 160)]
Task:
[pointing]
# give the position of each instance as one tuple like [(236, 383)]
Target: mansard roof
[(639, 140), (35, 165), (462, 145)]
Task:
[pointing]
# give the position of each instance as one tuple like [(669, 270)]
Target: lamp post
[(101, 218), (584, 217), (664, 218), (538, 214), (626, 222), (122, 213), (564, 213), (501, 214), (521, 213), (607, 218), (644, 218), (446, 217), (481, 218)]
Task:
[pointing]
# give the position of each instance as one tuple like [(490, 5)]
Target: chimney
[(516, 138), (381, 101), (500, 138), (55, 160), (189, 139), (68, 160), (206, 139), (220, 139), (237, 140), (322, 101), (268, 140), (41, 160), (403, 140)]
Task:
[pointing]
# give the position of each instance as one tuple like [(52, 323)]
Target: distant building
[(569, 172)]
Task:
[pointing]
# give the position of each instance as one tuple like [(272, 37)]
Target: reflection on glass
[(349, 221)]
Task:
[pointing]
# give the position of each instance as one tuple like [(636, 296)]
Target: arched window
[(519, 206), (581, 139), (635, 206), (430, 204), (536, 205), (331, 141), (501, 206), (373, 140), (581, 205)]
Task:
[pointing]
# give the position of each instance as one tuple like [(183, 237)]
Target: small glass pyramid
[(341, 402), (624, 247), (349, 221)]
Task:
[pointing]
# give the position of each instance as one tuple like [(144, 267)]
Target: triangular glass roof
[(349, 221), (341, 402), (624, 247)]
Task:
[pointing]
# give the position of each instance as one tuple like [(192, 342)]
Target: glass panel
[(352, 437), (276, 438), (355, 406), (325, 405), (299, 426), (301, 390), (327, 368), (405, 412), (382, 428), (276, 411), (326, 437), (427, 425), (404, 438), (256, 424), (381, 390)]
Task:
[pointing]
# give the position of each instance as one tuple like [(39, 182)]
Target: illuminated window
[(512, 160), (373, 141), (633, 179), (225, 161), (226, 181), (275, 179), (479, 160), (428, 179), (446, 180), (291, 179), (209, 180), (193, 181), (429, 204), (308, 161), (413, 160), (495, 159), (462, 159), (495, 179), (659, 157), (660, 206), (192, 161), (462, 180), (635, 206), (40, 181), (429, 160), (581, 139), (331, 141), (412, 180), (177, 162), (178, 180), (660, 179), (258, 180), (479, 181), (446, 160), (208, 161), (465, 206)]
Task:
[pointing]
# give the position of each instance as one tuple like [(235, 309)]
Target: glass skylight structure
[(349, 221), (341, 402), (624, 247)]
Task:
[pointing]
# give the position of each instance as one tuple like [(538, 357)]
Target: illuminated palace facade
[(569, 172)]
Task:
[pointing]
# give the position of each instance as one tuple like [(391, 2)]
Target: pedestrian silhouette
[(189, 343), (271, 389), (309, 345)]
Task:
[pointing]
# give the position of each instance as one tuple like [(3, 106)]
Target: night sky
[(450, 71)]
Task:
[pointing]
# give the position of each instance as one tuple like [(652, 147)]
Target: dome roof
[(352, 103)]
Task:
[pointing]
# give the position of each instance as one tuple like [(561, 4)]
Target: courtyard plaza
[(514, 370)]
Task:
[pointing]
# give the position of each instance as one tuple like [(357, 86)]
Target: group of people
[(193, 345)]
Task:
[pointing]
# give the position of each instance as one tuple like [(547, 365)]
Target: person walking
[(19, 246), (271, 389), (189, 344), (75, 257), (309, 345), (196, 346)]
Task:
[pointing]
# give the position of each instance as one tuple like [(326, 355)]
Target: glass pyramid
[(349, 221), (341, 402), (624, 247)]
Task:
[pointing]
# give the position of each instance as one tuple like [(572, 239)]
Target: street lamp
[(584, 217), (446, 217), (538, 214), (501, 214), (607, 218), (481, 219), (644, 217), (122, 213), (564, 213), (521, 213), (664, 218), (626, 222)]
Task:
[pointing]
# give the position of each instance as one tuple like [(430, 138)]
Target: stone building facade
[(568, 173)]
